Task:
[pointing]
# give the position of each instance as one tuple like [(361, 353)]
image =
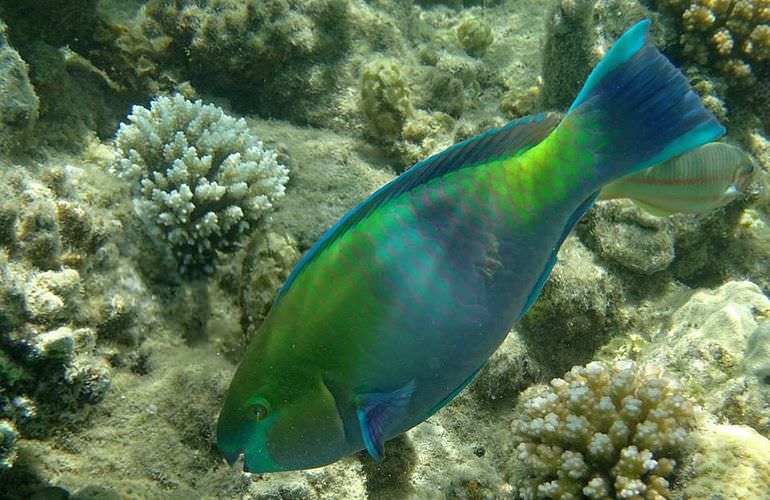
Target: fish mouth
[(231, 457), (234, 456)]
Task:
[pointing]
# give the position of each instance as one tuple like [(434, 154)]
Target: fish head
[(745, 173), (286, 421)]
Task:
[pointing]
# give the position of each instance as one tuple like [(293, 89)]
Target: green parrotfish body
[(402, 302)]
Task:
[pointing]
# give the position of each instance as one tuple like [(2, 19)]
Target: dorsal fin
[(502, 142)]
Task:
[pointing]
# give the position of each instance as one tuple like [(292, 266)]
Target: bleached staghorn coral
[(601, 432), (198, 175)]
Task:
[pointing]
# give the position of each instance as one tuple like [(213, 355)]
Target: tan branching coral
[(731, 35), (760, 42), (603, 431)]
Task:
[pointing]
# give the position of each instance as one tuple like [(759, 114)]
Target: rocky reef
[(249, 128), (20, 106)]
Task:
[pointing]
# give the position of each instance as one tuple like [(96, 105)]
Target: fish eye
[(748, 167), (259, 410)]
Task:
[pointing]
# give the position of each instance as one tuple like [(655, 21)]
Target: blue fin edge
[(375, 412), (642, 107), (620, 52)]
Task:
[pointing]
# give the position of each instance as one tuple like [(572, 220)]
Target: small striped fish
[(696, 182)]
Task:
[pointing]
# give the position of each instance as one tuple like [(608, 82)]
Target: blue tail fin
[(639, 108)]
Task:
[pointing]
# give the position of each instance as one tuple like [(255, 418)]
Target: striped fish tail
[(635, 110)]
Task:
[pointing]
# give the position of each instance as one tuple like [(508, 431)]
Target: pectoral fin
[(376, 411)]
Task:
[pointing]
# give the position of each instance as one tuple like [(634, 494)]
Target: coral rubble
[(276, 55)]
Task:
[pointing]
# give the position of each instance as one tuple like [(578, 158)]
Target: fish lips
[(262, 465), (231, 457)]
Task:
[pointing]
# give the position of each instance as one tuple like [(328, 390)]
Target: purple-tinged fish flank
[(402, 302)]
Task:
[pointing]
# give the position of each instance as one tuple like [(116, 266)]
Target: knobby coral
[(273, 56), (733, 36), (603, 431), (385, 98), (474, 36), (199, 176)]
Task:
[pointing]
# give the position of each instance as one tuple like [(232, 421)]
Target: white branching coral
[(601, 432), (198, 175)]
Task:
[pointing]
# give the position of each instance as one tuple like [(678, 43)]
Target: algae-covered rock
[(475, 36), (57, 345), (38, 224), (575, 310), (627, 236), (8, 437), (578, 33), (57, 22), (267, 265), (51, 365), (517, 104), (77, 99), (756, 359), (706, 344), (329, 172), (566, 53), (51, 294), (730, 461), (424, 134), (731, 241), (274, 56), (508, 372), (93, 492), (447, 93), (18, 101)]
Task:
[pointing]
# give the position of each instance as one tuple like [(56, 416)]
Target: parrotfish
[(695, 182), (401, 303)]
